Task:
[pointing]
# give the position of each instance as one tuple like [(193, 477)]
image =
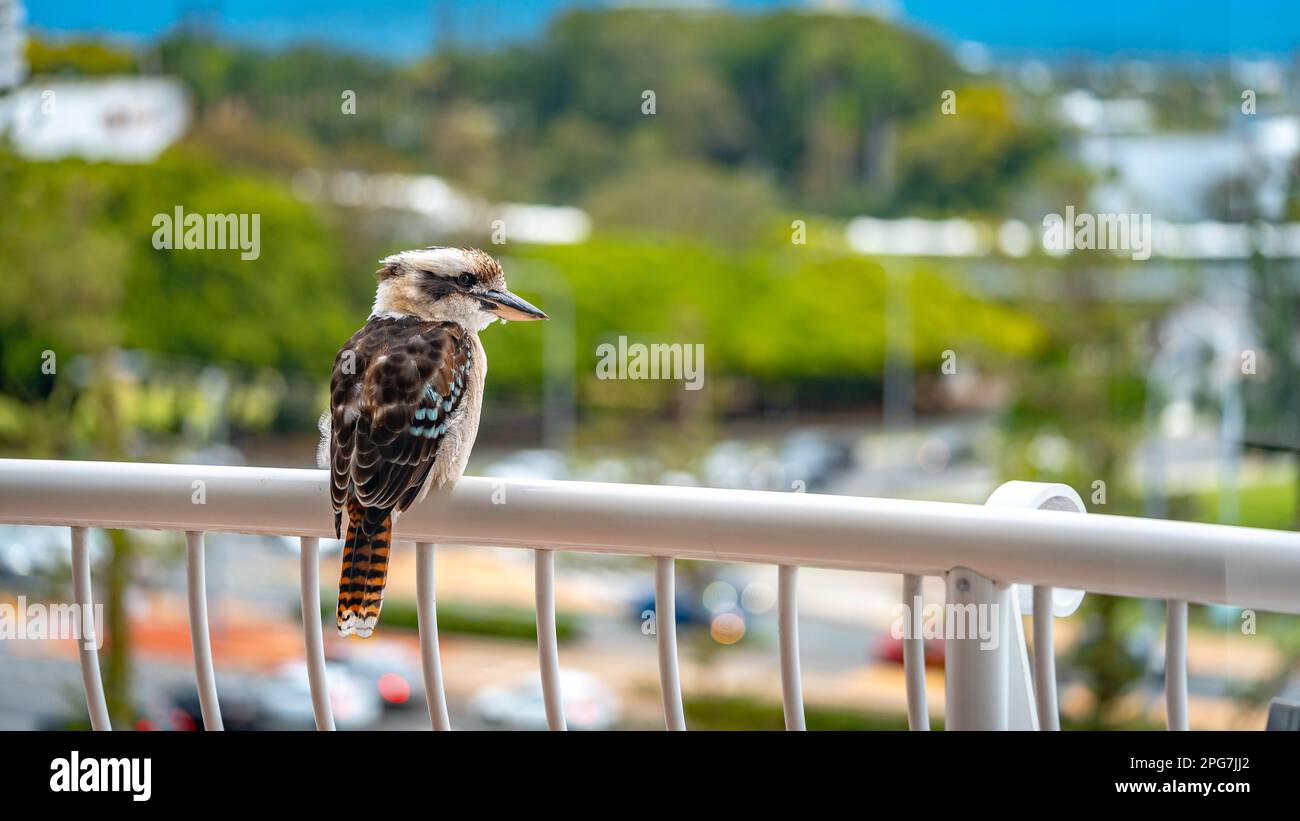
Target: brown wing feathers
[(396, 383)]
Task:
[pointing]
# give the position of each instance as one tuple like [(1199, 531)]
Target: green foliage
[(83, 278), (78, 57), (792, 102), (1106, 661), (686, 199), (1271, 505), (742, 713), (780, 313), (1079, 403), (83, 274), (491, 621), (969, 160)]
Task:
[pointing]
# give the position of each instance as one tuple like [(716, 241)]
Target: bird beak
[(508, 306)]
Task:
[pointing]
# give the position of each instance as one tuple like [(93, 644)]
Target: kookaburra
[(404, 405)]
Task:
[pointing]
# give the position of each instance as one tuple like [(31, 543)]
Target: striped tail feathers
[(365, 568)]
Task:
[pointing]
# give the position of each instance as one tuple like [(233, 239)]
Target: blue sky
[(401, 28)]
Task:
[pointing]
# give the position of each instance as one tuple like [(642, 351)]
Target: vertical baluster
[(87, 640), (918, 710), (427, 615), (1176, 664), (788, 633), (977, 678), (1049, 714), (205, 678), (666, 639), (548, 650), (313, 641)]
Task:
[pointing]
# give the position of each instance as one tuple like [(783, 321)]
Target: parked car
[(390, 669), (888, 648), (689, 611), (589, 703), (27, 550), (280, 701)]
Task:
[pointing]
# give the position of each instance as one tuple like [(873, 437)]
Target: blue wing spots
[(431, 432), (441, 406)]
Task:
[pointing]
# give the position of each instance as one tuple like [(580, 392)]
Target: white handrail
[(1118, 555), (205, 677), (1010, 540)]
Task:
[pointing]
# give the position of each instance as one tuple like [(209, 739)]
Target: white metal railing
[(1028, 534)]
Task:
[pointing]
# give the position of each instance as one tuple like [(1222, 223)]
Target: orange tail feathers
[(365, 569)]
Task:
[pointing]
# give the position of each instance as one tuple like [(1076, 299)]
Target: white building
[(118, 119), (1174, 176)]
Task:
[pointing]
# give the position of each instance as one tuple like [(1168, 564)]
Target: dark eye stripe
[(437, 287)]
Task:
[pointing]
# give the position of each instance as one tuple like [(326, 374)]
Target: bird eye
[(466, 279)]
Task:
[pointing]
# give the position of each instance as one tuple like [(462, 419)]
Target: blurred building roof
[(118, 119), (446, 208), (1174, 176), (1085, 111)]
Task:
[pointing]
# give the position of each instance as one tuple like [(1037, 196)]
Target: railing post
[(548, 650), (918, 712), (1049, 714), (87, 639), (1034, 703), (312, 637), (427, 619), (1176, 664), (788, 630), (670, 686), (205, 677), (976, 667)]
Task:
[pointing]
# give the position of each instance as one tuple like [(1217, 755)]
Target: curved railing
[(1028, 534)]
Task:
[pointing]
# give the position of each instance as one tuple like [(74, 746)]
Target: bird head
[(462, 285)]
